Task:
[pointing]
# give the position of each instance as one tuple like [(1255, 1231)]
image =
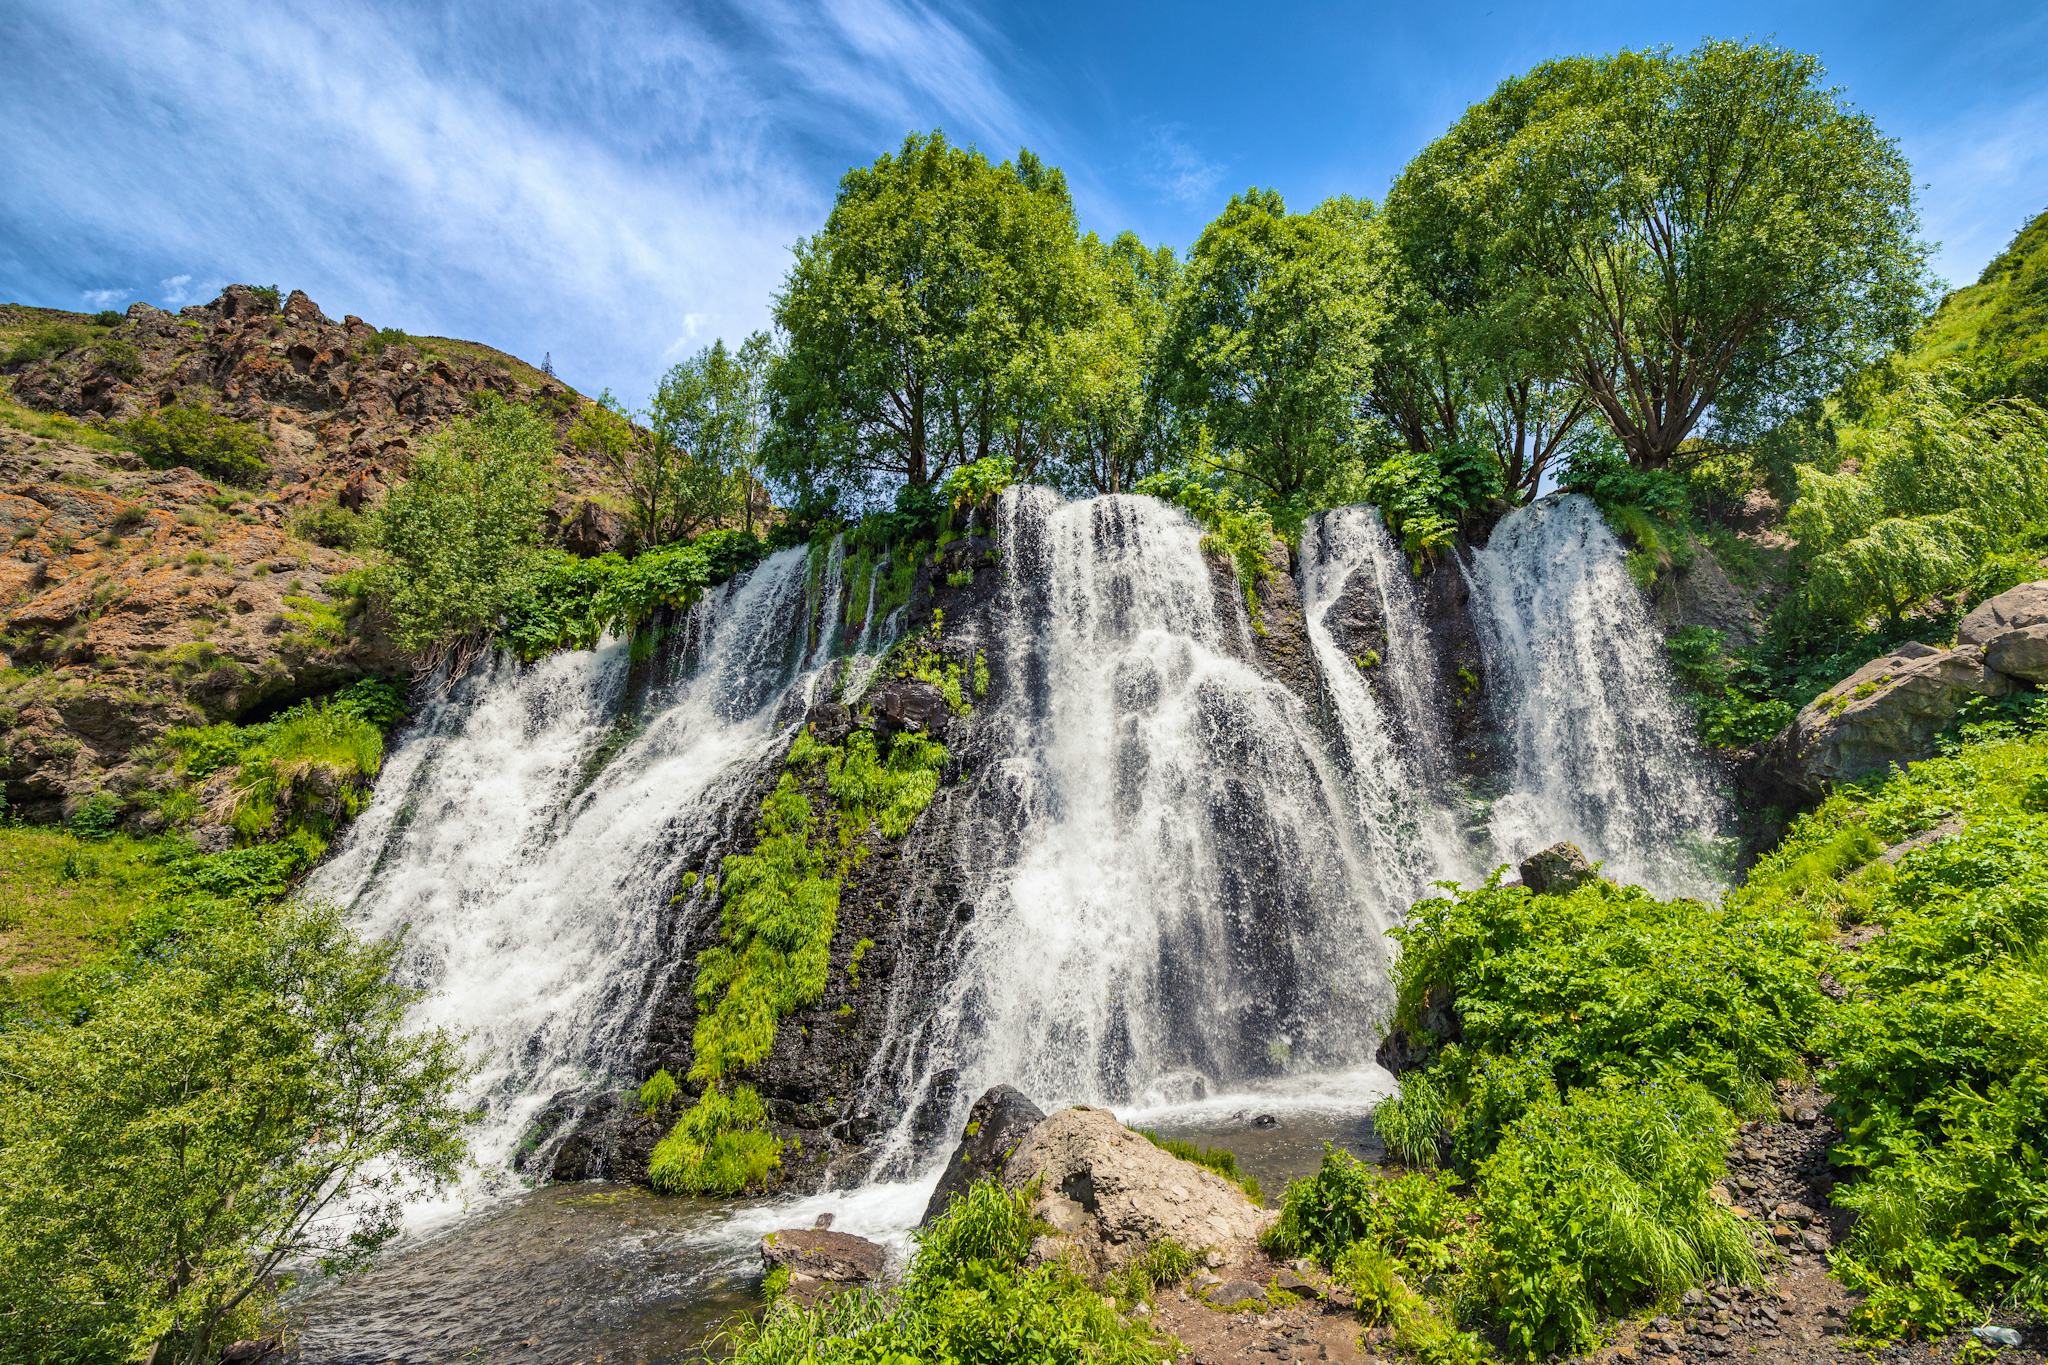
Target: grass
[(56, 426), (1217, 1159), (67, 896)]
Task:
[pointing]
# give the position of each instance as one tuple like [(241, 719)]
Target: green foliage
[(966, 1297), (923, 657), (120, 358), (460, 537), (1164, 1263), (1600, 1202), (920, 320), (96, 816), (979, 484), (307, 768), (1714, 235), (1270, 338), (1938, 1056), (269, 295), (1218, 1159), (329, 524), (201, 440), (563, 602), (1994, 334), (1938, 484), (46, 339), (1728, 692), (780, 910), (245, 1099), (1609, 981), (657, 1091)]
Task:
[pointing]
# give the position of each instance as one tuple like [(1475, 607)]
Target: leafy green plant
[(657, 1091), (200, 439)]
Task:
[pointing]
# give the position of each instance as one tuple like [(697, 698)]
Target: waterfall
[(1601, 752), (1388, 706), (528, 832), (1173, 888)]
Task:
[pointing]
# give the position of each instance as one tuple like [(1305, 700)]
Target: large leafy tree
[(1271, 340), (249, 1101), (1105, 427), (1699, 241), (917, 323), (1932, 485)]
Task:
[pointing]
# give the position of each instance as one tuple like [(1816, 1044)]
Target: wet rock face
[(999, 1121), (1109, 1193)]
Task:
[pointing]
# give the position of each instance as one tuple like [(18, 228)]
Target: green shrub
[(109, 317), (329, 524), (720, 1145), (568, 603), (201, 440), (979, 484), (966, 1297), (269, 295), (458, 539), (1242, 532), (657, 1091), (47, 339), (1414, 1122), (121, 358), (96, 816)]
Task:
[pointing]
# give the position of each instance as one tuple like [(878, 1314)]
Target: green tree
[(689, 460), (1701, 241), (1932, 484), (458, 537), (249, 1101), (1105, 429), (1271, 340), (917, 322)]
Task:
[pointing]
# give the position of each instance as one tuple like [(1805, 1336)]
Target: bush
[(120, 358), (459, 539), (329, 524), (201, 440), (657, 1091), (96, 816), (218, 1113), (47, 339), (1599, 1203), (966, 1297)]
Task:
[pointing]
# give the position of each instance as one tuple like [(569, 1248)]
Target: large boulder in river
[(996, 1124), (822, 1262), (1110, 1193)]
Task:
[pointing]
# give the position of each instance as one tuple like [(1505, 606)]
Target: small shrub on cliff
[(329, 524), (48, 339), (459, 537), (201, 440), (657, 1091)]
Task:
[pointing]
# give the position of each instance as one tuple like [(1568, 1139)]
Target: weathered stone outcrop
[(998, 1122), (133, 599), (821, 1262), (1891, 710), (1109, 1193), (1556, 870)]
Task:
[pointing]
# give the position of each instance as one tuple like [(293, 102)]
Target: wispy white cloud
[(1971, 165), (641, 172), (1171, 166), (106, 298)]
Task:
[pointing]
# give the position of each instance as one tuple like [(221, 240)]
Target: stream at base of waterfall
[(1180, 871)]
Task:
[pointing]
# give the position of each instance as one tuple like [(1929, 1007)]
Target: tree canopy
[(1705, 239), (1272, 338), (917, 324)]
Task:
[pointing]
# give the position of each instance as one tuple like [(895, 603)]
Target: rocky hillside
[(139, 592)]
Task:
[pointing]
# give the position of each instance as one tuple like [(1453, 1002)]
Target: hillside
[(178, 494), (1997, 328)]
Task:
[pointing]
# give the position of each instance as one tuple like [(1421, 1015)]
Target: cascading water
[(527, 837), (1602, 753), (1394, 733), (1174, 890)]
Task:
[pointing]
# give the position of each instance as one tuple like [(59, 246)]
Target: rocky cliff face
[(133, 599)]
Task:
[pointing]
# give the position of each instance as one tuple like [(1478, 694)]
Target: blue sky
[(615, 184)]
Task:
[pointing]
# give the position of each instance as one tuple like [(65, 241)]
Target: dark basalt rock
[(908, 704), (996, 1124)]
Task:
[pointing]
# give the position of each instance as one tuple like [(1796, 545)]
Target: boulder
[(2020, 653), (908, 704), (1109, 1193), (2014, 609), (1556, 870), (997, 1123), (1889, 711), (821, 1262)]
